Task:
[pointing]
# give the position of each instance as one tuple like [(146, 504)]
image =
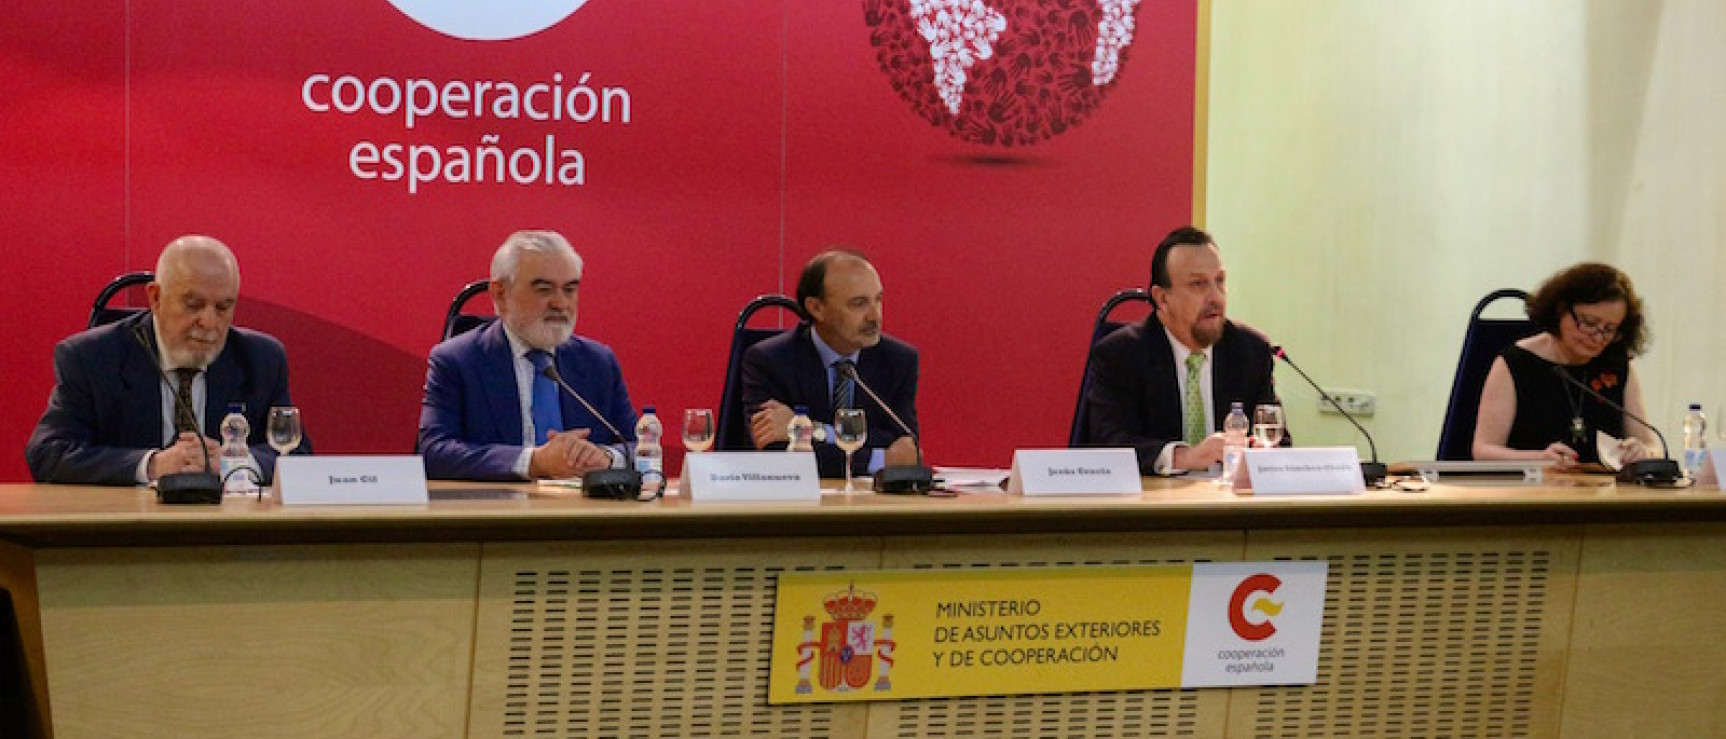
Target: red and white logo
[(1002, 72), (1251, 610), (487, 20)]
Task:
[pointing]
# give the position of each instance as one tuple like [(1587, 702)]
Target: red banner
[(1007, 164)]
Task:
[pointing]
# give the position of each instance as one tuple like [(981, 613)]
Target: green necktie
[(1193, 418)]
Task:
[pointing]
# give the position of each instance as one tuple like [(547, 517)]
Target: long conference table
[(1573, 608)]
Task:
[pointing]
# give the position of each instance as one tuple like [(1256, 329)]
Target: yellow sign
[(889, 635)]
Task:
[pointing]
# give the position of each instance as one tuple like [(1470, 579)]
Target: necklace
[(1576, 397)]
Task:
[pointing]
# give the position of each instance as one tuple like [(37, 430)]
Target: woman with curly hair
[(1591, 327)]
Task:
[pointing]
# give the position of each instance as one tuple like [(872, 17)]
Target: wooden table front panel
[(278, 641)]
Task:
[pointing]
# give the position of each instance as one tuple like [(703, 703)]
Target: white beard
[(545, 335)]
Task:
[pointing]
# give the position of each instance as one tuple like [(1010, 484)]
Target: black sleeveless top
[(1546, 405)]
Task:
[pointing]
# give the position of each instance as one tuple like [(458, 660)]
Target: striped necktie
[(1193, 418), (844, 386), (185, 415)]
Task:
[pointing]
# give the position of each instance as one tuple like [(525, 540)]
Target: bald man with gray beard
[(145, 396)]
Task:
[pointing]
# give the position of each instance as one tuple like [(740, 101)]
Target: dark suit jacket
[(470, 423), (1134, 396), (787, 368), (105, 412)]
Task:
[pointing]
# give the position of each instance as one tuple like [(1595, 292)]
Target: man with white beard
[(144, 396), (491, 412)]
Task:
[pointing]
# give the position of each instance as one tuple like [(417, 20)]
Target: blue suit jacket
[(787, 368), (105, 412), (470, 423)]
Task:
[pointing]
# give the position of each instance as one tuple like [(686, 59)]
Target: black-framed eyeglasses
[(1607, 331)]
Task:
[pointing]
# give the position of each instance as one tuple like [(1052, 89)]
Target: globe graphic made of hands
[(1001, 72)]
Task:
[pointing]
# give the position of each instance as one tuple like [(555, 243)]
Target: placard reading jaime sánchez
[(898, 634)]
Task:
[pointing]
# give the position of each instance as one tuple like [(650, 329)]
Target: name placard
[(1710, 474), (351, 480), (750, 477), (1304, 471), (863, 635), (1053, 472)]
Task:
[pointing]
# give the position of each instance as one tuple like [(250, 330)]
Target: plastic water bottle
[(1234, 442), (801, 431), (1695, 440), (649, 454), (237, 455)]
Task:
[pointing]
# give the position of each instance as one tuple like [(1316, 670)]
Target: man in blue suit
[(841, 292), (145, 396), (491, 410)]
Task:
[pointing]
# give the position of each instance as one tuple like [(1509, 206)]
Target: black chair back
[(733, 419), (455, 322), (1482, 343), (1078, 436), (101, 314)]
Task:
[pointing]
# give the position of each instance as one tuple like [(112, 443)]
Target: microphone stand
[(1373, 472), (898, 479), (609, 483), (1663, 471)]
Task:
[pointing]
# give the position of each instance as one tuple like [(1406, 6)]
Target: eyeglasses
[(1594, 326)]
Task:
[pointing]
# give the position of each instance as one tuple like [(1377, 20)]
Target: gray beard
[(544, 335)]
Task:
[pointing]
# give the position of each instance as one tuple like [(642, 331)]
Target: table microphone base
[(611, 484), (1650, 472), (1374, 472), (904, 480), (189, 488)]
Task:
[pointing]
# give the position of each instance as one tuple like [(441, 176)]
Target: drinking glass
[(283, 432), (698, 429), (1268, 425), (850, 430), (284, 428)]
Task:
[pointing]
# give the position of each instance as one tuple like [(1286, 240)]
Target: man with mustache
[(841, 292), (491, 413), (1163, 387), (115, 419)]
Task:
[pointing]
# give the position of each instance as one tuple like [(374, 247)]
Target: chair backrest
[(101, 314), (1484, 340), (733, 419), (455, 322), (1078, 436)]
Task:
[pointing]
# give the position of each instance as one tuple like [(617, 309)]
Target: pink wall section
[(759, 132)]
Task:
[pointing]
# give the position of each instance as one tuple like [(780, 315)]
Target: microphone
[(1373, 472), (1663, 471), (608, 483), (182, 488), (898, 479)]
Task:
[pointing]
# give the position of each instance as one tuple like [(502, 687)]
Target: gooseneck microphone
[(609, 483), (896, 479), (1373, 471), (1663, 471), (182, 488)]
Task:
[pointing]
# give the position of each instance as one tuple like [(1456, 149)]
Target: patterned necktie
[(185, 415), (844, 387), (1193, 419), (547, 413)]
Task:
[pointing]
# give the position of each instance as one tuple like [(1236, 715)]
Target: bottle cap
[(1695, 406), (239, 408), (646, 409), (801, 410)]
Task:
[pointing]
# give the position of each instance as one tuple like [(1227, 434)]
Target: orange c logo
[(1248, 630)]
